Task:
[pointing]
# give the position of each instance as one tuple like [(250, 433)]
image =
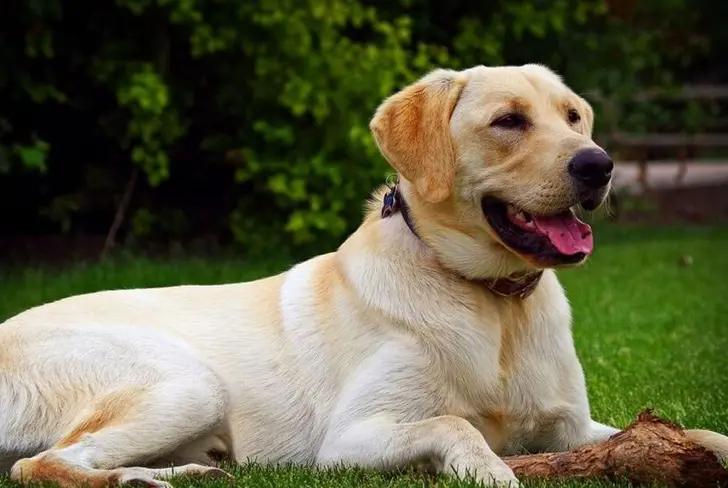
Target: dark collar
[(518, 285)]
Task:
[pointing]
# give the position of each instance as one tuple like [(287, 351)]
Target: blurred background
[(208, 124)]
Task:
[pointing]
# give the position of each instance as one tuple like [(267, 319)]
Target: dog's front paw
[(491, 472), (499, 476)]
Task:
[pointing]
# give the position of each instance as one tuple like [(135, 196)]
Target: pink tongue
[(567, 233)]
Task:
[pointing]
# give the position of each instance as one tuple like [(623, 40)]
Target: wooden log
[(650, 451)]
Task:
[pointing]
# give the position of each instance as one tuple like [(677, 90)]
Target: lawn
[(650, 322)]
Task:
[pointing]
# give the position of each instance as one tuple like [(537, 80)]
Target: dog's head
[(492, 160)]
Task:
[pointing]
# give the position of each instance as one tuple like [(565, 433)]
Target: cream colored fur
[(380, 354)]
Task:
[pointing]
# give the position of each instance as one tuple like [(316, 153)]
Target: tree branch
[(651, 450)]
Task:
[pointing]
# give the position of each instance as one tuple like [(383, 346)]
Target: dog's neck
[(520, 284)]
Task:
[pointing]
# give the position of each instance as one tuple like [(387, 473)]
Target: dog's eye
[(511, 121), (574, 116)]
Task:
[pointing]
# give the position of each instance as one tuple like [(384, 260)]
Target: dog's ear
[(412, 130)]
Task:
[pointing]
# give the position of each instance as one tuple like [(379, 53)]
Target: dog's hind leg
[(131, 426)]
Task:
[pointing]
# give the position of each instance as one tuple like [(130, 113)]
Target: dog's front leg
[(712, 441), (449, 443), (599, 432)]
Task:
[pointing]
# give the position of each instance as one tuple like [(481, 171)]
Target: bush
[(249, 119)]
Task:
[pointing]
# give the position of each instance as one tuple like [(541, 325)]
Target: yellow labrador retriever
[(436, 333)]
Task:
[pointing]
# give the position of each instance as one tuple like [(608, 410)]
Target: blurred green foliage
[(249, 119)]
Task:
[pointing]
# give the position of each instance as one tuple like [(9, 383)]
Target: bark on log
[(651, 450)]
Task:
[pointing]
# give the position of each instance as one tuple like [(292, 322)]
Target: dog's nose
[(591, 167)]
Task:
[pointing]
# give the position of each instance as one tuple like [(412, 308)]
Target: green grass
[(651, 331)]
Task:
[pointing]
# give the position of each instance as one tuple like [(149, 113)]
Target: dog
[(437, 335)]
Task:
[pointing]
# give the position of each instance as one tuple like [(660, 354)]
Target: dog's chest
[(528, 385)]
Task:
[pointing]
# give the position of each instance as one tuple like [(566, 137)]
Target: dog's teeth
[(519, 215)]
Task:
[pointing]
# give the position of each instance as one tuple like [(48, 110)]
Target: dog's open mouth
[(547, 239)]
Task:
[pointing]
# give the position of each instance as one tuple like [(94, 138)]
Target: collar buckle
[(391, 201)]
